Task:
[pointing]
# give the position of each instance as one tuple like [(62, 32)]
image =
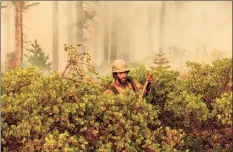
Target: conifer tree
[(160, 60), (37, 57)]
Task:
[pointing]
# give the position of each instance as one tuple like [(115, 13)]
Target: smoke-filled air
[(134, 31), (116, 76)]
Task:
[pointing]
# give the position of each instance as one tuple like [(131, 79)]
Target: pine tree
[(37, 57), (160, 60)]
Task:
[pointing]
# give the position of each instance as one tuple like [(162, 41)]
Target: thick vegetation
[(185, 111)]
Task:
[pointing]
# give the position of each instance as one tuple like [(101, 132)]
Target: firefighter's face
[(122, 77)]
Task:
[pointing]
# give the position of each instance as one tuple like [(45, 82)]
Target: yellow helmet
[(119, 65)]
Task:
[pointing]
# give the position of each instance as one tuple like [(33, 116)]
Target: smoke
[(188, 25)]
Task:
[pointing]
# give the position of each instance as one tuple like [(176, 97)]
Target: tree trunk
[(204, 29), (178, 7), (79, 22), (55, 36), (18, 33), (177, 23), (126, 51), (114, 36), (151, 22), (70, 22), (161, 25), (95, 34), (106, 32), (114, 42)]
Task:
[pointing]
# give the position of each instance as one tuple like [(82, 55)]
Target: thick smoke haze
[(136, 26)]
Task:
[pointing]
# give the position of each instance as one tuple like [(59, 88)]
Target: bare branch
[(67, 66)]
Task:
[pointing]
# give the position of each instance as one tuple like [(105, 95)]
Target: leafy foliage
[(139, 74), (187, 107), (211, 81), (191, 112), (54, 109), (222, 109), (79, 63)]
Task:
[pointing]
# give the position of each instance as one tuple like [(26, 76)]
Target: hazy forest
[(56, 63), (196, 31)]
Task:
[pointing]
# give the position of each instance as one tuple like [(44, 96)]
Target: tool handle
[(145, 86)]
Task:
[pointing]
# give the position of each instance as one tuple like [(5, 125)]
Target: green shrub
[(187, 108), (211, 81), (223, 109), (56, 113)]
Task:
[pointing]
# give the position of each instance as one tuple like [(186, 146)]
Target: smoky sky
[(189, 26)]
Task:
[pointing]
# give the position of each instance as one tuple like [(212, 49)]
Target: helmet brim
[(122, 70)]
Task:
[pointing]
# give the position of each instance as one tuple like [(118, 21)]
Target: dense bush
[(190, 111)]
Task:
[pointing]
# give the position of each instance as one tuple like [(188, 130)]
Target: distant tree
[(89, 12), (161, 25), (178, 7), (114, 35), (79, 23), (126, 32), (70, 27), (19, 32), (55, 56), (151, 21), (20, 7), (160, 60), (92, 13), (177, 53), (106, 31), (37, 57)]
